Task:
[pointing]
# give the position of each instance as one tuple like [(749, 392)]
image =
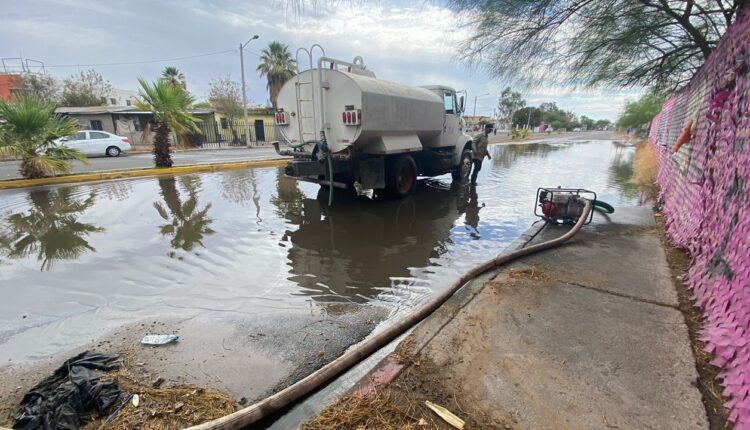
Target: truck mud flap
[(372, 173)]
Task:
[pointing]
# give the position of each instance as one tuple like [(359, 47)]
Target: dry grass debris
[(532, 273), (381, 410), (163, 408), (644, 170)]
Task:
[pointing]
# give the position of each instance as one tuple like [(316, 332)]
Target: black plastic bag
[(71, 396)]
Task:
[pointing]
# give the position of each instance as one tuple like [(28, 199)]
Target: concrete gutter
[(136, 173)]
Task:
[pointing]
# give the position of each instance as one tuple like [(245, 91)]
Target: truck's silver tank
[(387, 109)]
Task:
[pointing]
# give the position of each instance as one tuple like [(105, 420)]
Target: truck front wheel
[(463, 171), (401, 176)]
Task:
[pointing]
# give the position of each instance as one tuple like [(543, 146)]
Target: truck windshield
[(448, 98)]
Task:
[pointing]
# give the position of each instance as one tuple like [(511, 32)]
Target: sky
[(411, 42)]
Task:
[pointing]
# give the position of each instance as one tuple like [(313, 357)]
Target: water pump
[(563, 205)]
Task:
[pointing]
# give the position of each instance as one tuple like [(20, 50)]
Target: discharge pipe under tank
[(312, 382)]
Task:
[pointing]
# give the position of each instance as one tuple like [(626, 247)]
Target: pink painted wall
[(705, 188)]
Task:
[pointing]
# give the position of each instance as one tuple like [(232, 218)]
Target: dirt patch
[(708, 384)]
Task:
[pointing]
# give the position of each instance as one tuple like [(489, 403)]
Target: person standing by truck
[(479, 151)]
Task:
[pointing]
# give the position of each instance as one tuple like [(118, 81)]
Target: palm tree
[(51, 229), (174, 76), (29, 129), (277, 65), (170, 106)]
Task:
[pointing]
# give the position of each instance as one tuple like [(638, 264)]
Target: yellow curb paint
[(122, 174)]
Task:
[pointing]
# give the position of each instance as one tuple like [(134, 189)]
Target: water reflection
[(241, 187), (351, 251), (621, 173), (188, 225), (288, 199), (472, 209), (506, 155), (50, 228)]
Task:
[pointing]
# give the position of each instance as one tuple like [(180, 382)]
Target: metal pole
[(244, 98), (528, 121), (244, 91), (475, 106)]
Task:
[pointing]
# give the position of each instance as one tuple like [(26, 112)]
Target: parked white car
[(95, 142)]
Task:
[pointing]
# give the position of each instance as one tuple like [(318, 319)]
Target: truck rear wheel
[(401, 176), (463, 171)]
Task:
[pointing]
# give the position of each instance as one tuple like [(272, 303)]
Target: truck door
[(451, 126)]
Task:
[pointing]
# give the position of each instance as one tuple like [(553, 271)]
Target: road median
[(141, 172)]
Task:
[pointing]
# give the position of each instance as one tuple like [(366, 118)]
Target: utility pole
[(528, 121), (244, 91), (475, 103)]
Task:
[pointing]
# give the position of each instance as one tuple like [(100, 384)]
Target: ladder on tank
[(306, 101)]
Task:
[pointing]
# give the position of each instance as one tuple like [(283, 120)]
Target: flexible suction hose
[(296, 391)]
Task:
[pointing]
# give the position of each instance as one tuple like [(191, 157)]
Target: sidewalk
[(584, 336)]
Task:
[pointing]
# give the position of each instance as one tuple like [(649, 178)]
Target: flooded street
[(236, 247)]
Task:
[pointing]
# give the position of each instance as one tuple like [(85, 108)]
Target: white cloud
[(412, 42)]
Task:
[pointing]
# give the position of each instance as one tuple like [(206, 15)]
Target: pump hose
[(329, 162), (603, 207), (296, 391)]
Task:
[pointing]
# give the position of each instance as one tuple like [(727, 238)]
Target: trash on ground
[(446, 415), (136, 400), (159, 339), (157, 382), (71, 396)]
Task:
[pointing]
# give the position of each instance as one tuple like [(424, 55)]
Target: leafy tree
[(651, 43), (173, 76), (42, 85), (87, 88), (639, 112), (277, 65), (587, 122), (170, 106), (50, 228), (603, 123), (225, 95), (528, 115), (510, 102), (29, 129)]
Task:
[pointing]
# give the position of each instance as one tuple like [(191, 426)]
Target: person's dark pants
[(475, 172)]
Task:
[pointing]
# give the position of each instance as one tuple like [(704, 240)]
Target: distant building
[(10, 85), (119, 97), (121, 120)]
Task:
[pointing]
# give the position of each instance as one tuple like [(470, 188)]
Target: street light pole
[(244, 91), (475, 103)]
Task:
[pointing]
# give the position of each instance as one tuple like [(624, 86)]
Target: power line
[(144, 61)]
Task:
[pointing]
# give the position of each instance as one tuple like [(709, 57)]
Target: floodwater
[(79, 260)]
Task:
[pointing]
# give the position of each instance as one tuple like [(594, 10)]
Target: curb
[(136, 173)]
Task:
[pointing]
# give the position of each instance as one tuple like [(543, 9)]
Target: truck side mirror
[(461, 104)]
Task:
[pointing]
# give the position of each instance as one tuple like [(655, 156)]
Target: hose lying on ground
[(296, 391)]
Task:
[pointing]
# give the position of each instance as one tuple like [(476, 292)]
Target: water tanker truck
[(347, 129)]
